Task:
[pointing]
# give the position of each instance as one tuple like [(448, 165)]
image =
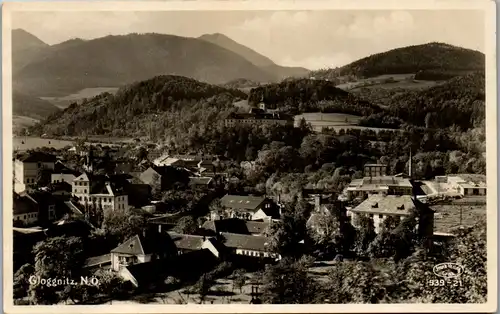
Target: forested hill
[(306, 95), (460, 101), (114, 61), (162, 104), (411, 59), (29, 106)]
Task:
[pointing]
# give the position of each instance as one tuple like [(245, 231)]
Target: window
[(24, 217), (381, 216), (85, 191)]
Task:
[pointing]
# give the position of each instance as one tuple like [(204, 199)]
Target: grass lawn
[(447, 216)]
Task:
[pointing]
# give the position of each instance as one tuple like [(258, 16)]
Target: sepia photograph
[(225, 156)]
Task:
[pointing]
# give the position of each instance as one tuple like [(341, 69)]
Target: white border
[(491, 143)]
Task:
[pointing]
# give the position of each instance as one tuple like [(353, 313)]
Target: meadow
[(65, 101)]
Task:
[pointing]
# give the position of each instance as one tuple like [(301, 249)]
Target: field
[(21, 122), (447, 216), (389, 81), (336, 121), (65, 101)]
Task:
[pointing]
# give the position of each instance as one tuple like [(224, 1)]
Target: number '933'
[(443, 282)]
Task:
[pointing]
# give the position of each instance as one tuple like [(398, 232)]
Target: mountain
[(306, 95), (411, 59), (459, 101), (254, 57), (160, 105), (25, 47), (115, 61), (29, 106)]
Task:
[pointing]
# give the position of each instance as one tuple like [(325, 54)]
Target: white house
[(103, 191), (27, 167)]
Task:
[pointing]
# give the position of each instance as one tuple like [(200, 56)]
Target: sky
[(312, 39)]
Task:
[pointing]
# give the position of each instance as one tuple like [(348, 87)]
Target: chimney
[(317, 201), (409, 166)]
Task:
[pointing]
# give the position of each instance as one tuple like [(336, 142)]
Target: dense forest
[(153, 108), (460, 101), (30, 106), (411, 59), (306, 95)]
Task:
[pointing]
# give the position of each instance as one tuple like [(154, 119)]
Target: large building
[(106, 192), (258, 118), (375, 170), (465, 184), (28, 166), (379, 207), (383, 185)]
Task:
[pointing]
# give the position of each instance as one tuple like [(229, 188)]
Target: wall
[(260, 215), (255, 253), (28, 218), (62, 177)]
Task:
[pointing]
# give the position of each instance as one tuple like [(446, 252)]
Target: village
[(176, 248)]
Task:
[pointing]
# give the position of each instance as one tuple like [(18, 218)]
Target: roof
[(98, 260), (60, 168), (375, 165), (74, 208), (242, 202), (381, 182), (386, 204), (234, 225), (140, 245), (24, 204), (260, 116), (248, 242), (105, 184), (187, 241), (37, 157), (200, 180)]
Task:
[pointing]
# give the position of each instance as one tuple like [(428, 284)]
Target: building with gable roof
[(108, 192), (247, 208), (141, 249), (27, 167)]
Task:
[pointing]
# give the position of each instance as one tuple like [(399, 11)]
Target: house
[(201, 182), (140, 249), (61, 190), (319, 212), (186, 243), (98, 262), (466, 184), (103, 191), (248, 245), (164, 177), (246, 207), (27, 167), (375, 170), (383, 185), (25, 209), (33, 208), (186, 267), (258, 118), (379, 207), (62, 173), (234, 225)]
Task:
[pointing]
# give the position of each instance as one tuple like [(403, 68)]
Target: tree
[(21, 280), (239, 279), (365, 233), (288, 283), (285, 235), (186, 225), (58, 257), (120, 225), (202, 287)]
